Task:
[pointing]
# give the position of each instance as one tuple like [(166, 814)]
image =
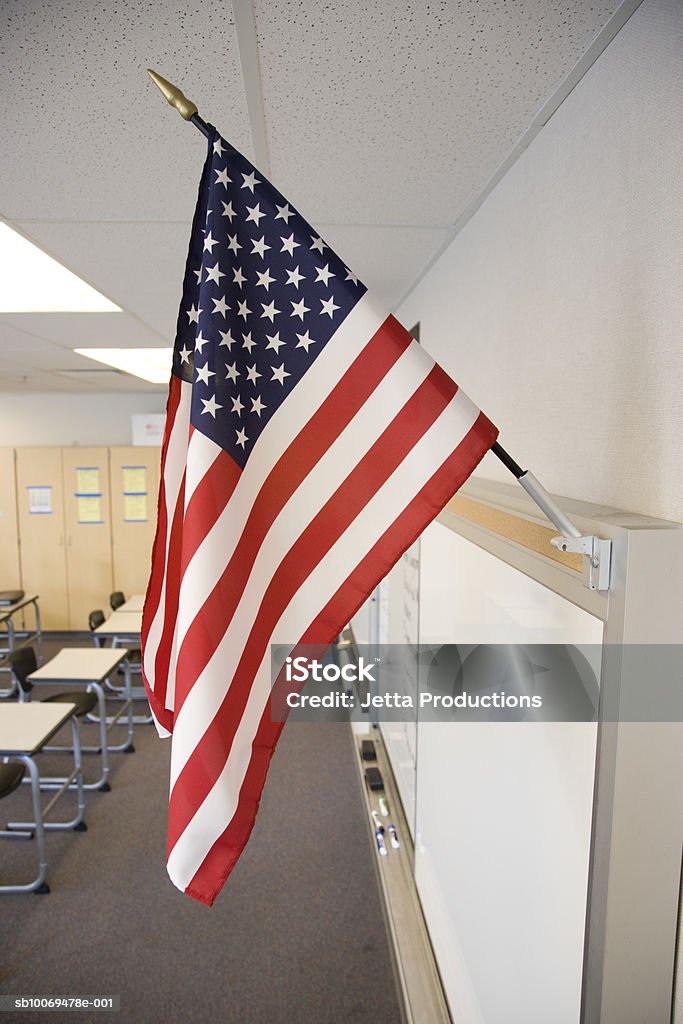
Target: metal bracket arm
[(598, 561)]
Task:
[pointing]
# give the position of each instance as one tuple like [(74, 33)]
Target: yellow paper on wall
[(135, 508), (89, 508), (134, 479), (88, 480)]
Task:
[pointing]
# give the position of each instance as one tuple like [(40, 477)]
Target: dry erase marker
[(376, 821), (394, 838), (379, 839), (384, 807)]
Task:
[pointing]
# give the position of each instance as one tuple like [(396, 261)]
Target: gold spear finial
[(186, 108)]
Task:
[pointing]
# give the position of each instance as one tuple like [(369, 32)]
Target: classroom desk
[(124, 628), (134, 603), (89, 667), (7, 612), (121, 625), (24, 731)]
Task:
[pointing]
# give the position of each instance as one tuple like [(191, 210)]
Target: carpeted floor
[(296, 937)]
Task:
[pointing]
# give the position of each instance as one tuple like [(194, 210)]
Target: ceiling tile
[(82, 122), (401, 115)]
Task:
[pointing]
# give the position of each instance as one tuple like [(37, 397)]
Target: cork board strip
[(529, 535)]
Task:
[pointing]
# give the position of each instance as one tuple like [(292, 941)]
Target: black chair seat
[(85, 702), (10, 777)]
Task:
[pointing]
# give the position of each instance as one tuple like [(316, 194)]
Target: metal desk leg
[(76, 823), (103, 782), (38, 884)]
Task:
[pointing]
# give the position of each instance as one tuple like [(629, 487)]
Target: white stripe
[(174, 468), (204, 571), (202, 452), (369, 423), (398, 491)]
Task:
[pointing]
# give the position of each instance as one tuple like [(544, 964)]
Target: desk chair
[(96, 619), (22, 663), (116, 599)]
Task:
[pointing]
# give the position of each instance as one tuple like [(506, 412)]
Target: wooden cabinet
[(134, 488), (87, 515), (40, 500), (10, 571), (75, 524)]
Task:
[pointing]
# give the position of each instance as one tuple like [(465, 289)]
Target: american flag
[(309, 440)]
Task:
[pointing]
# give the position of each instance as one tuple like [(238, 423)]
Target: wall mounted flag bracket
[(596, 551)]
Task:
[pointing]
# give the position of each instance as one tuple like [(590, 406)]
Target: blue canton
[(262, 296)]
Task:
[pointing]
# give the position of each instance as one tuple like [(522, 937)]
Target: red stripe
[(323, 428), (156, 578), (208, 759), (406, 528), (207, 503)]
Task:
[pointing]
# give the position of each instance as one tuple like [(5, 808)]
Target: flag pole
[(572, 539)]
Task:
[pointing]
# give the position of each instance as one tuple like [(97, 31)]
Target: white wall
[(559, 307), (66, 419)]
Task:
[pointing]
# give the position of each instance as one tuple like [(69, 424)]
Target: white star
[(250, 180), (198, 274), (288, 244), (275, 342), (233, 244), (228, 211), (210, 405), (279, 374), (324, 274), (260, 246), (239, 277), (203, 373), (305, 341), (293, 277), (270, 311), (252, 373), (317, 244), (237, 405), (241, 438), (199, 342), (243, 310), (214, 274), (231, 372), (227, 339), (265, 279), (193, 314), (220, 306), (351, 276), (222, 177), (257, 406), (255, 214), (299, 309), (328, 306), (184, 355), (283, 213), (218, 147), (209, 243), (249, 342)]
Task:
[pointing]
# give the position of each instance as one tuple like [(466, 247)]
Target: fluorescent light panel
[(152, 364), (33, 282)]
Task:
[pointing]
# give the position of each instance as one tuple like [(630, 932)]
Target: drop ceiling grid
[(399, 113), (86, 135)]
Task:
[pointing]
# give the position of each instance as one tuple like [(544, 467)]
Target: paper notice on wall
[(40, 500), (134, 479), (135, 508), (89, 507), (88, 480)]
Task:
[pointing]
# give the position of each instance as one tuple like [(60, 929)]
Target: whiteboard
[(502, 810)]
